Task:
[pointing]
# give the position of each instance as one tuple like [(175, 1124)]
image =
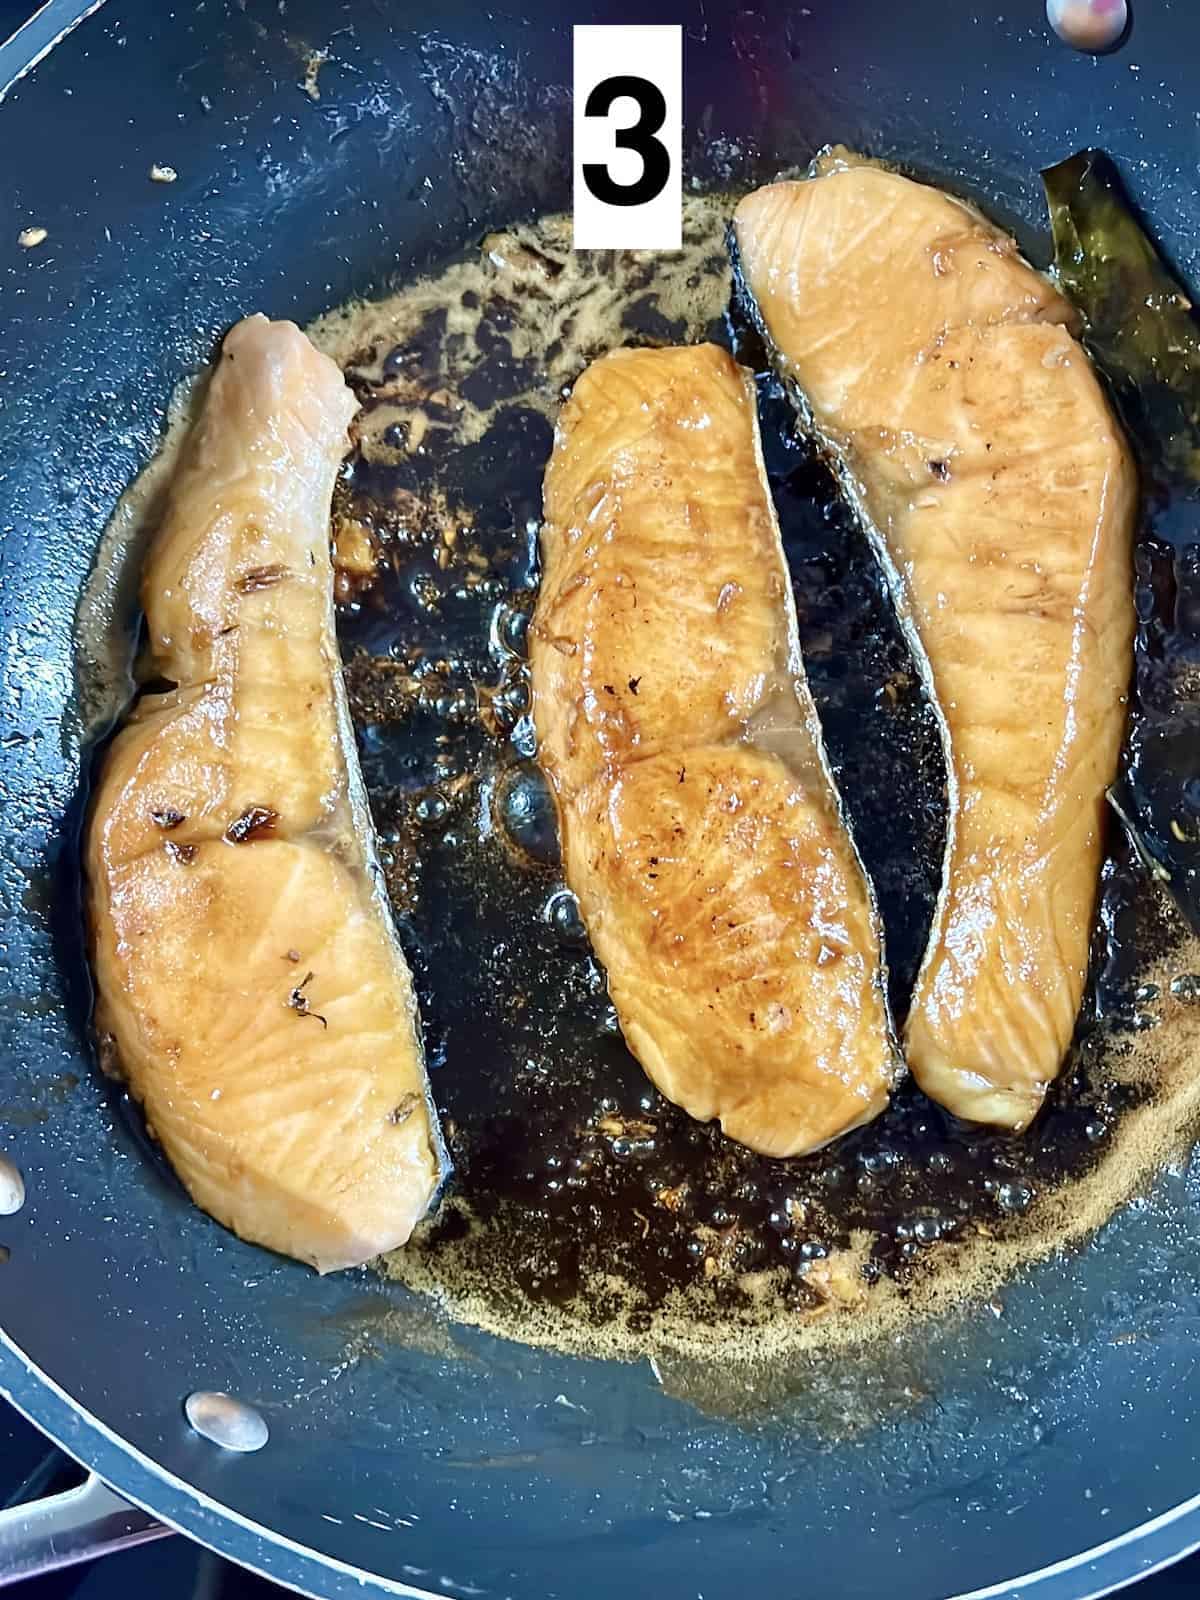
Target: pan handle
[(62, 1529)]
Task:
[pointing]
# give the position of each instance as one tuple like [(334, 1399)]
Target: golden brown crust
[(245, 965), (971, 428), (717, 881)]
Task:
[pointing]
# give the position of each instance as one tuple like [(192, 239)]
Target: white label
[(628, 191)]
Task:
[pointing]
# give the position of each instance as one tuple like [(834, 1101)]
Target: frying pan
[(1053, 1449)]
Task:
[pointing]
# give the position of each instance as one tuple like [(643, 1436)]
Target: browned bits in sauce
[(254, 823), (546, 1212)]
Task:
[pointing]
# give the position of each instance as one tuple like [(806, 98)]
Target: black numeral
[(639, 136)]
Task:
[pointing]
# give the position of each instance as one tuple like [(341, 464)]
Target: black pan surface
[(962, 1455)]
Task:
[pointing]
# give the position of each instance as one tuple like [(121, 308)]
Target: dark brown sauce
[(584, 1210), (577, 1187)]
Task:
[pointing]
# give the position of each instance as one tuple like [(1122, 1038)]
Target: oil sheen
[(586, 1212)]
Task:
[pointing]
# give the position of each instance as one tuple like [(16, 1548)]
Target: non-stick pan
[(1048, 1443)]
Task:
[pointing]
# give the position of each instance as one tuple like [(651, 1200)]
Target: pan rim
[(39, 35), (1127, 1558), (183, 1507)]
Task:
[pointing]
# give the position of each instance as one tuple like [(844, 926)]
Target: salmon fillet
[(246, 966), (940, 372), (701, 833)]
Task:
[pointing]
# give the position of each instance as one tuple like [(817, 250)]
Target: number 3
[(639, 137)]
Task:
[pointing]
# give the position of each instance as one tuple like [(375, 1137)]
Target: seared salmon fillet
[(940, 372), (700, 829), (246, 967)]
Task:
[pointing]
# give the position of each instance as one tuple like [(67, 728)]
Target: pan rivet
[(12, 1189), (1088, 24), (225, 1421)]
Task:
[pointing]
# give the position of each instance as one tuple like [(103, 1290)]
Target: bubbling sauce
[(585, 1212)]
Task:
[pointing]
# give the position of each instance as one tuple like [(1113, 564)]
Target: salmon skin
[(701, 831), (247, 971), (940, 373)]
